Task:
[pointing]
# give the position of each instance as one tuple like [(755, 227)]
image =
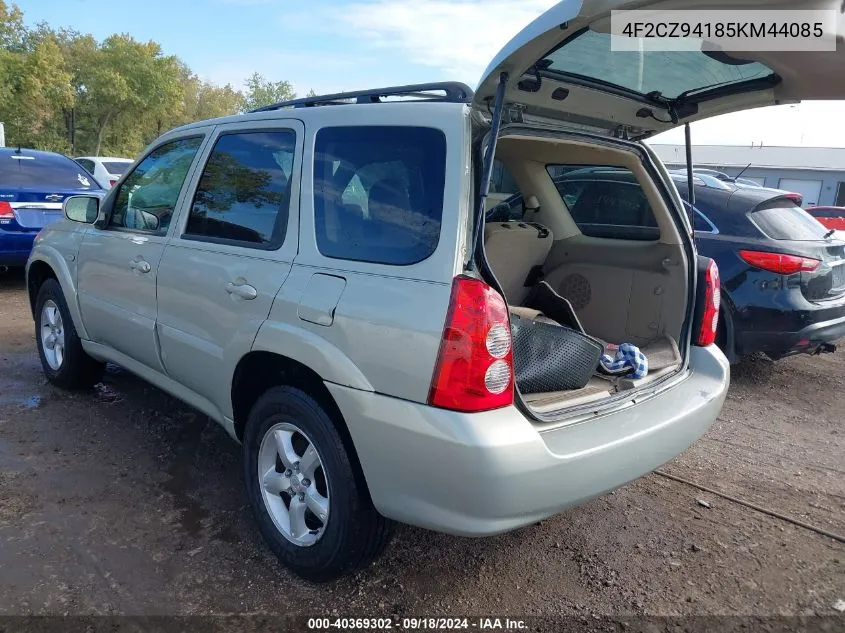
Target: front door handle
[(244, 291), (140, 265)]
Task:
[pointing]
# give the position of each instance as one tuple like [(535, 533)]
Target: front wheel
[(311, 509), (64, 361)]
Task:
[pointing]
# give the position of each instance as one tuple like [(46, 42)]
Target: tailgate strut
[(487, 169), (690, 187)]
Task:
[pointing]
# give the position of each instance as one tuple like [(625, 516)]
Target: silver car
[(318, 277)]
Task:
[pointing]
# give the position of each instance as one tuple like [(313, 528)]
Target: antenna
[(742, 172)]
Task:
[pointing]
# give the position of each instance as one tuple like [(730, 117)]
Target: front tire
[(65, 363), (311, 509)]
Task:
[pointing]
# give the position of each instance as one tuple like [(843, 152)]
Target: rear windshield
[(116, 168), (782, 220), (671, 73), (606, 202), (43, 171)]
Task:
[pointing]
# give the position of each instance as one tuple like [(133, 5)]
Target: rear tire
[(296, 467), (65, 363)]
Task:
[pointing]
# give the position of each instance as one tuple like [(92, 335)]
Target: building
[(817, 173)]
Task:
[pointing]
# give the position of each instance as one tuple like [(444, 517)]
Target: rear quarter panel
[(384, 332)]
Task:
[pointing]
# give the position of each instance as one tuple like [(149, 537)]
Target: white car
[(106, 170)]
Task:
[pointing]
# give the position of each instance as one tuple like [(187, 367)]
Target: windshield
[(671, 73), (782, 220), (114, 167), (43, 171)]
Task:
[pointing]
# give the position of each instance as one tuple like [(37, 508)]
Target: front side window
[(378, 193), (606, 202), (147, 198), (244, 192)]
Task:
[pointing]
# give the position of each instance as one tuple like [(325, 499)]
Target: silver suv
[(329, 280)]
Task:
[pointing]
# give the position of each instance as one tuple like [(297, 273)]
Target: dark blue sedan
[(33, 185), (782, 273)]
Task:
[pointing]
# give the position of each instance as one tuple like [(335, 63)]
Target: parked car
[(321, 282), (33, 185), (717, 179), (106, 170), (782, 272), (830, 217)]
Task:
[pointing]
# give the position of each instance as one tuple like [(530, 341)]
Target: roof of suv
[(446, 93)]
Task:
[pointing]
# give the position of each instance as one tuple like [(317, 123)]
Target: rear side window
[(43, 171), (244, 192), (700, 222), (606, 202), (378, 193), (782, 220)]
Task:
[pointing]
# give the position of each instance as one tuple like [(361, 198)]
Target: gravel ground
[(125, 501)]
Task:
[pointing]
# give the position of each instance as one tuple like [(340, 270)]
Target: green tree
[(64, 91), (126, 84), (11, 26), (262, 92)]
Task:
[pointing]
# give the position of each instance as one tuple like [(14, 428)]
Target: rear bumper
[(482, 474), (15, 247), (783, 332)]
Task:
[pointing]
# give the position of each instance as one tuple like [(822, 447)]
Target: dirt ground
[(125, 501)]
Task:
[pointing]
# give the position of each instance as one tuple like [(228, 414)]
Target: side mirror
[(150, 221), (84, 209)]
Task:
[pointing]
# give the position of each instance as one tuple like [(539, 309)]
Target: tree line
[(63, 91)]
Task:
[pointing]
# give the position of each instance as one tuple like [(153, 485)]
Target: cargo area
[(589, 223)]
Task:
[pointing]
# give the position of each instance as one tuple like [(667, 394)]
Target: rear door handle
[(244, 291), (140, 265)]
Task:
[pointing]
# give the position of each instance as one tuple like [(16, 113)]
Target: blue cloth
[(627, 356)]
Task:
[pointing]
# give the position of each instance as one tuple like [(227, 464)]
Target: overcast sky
[(334, 45)]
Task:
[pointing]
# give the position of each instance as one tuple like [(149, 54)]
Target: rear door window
[(606, 202), (43, 171), (244, 192), (782, 220), (378, 193)]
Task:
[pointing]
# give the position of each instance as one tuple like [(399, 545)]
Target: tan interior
[(520, 248), (622, 290)]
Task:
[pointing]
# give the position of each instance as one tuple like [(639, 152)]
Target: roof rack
[(451, 92)]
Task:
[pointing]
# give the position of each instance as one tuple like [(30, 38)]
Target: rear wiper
[(829, 234)]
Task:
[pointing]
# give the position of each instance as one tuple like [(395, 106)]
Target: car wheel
[(64, 361), (311, 509)]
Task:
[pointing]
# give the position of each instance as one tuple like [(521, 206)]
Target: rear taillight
[(6, 211), (474, 370), (779, 263), (710, 298)]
